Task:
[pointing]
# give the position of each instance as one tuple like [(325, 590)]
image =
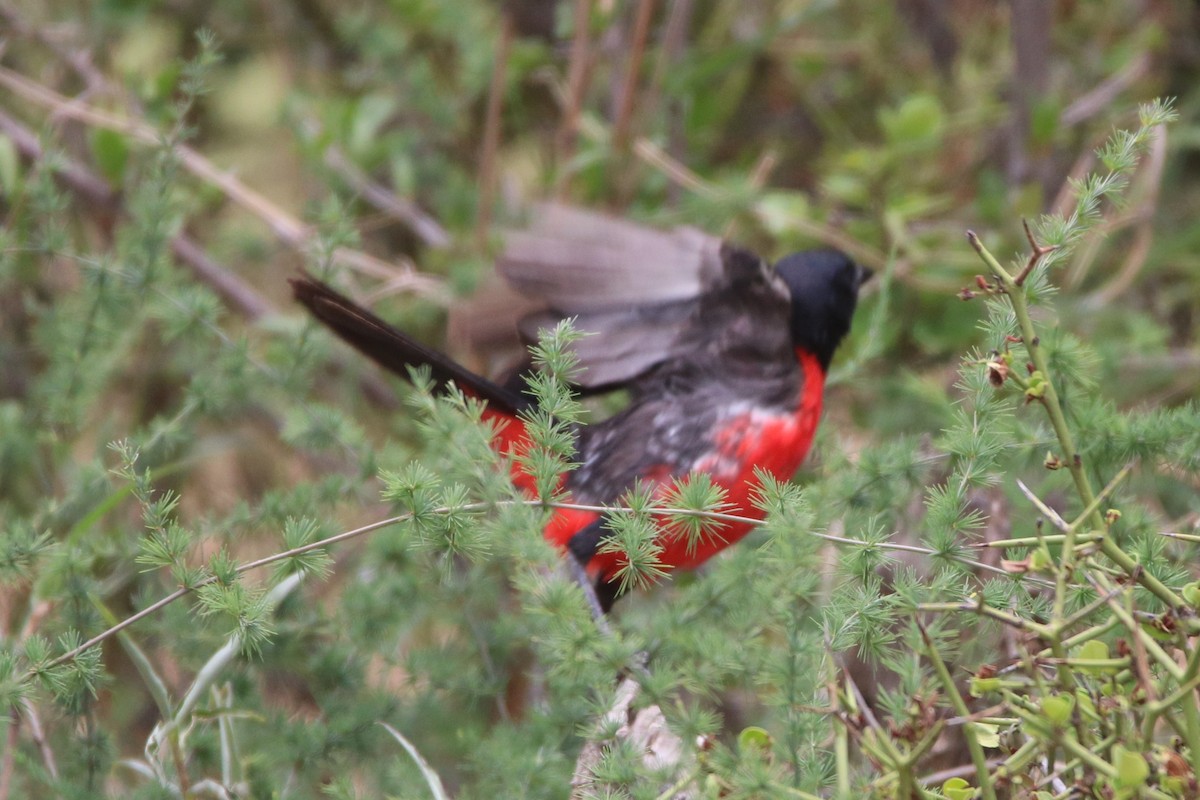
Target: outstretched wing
[(579, 261), (642, 294)]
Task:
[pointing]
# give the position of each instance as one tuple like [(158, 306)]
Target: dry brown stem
[(289, 230)]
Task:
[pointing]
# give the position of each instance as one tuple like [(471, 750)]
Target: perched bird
[(723, 355)]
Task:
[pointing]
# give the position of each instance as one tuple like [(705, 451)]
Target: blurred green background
[(156, 196)]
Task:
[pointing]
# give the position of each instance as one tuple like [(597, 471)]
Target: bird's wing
[(620, 343), (639, 293), (578, 261)]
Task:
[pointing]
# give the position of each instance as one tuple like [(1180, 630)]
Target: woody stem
[(1050, 401)]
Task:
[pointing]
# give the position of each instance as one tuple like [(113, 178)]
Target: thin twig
[(758, 179), (875, 260), (1030, 32), (10, 753), (1071, 458), (1046, 511), (860, 701), (578, 73), (236, 292), (655, 156), (422, 224), (1104, 494), (623, 121), (183, 591), (720, 516), (491, 133), (106, 206), (93, 79), (467, 507), (1149, 184), (763, 168), (961, 771), (1102, 586), (1036, 253), (285, 227), (103, 636), (1183, 537), (427, 229), (978, 758), (102, 200), (674, 40), (1101, 97)]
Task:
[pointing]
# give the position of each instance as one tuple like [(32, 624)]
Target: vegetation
[(235, 561)]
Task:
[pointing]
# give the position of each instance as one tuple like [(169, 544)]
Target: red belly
[(776, 443)]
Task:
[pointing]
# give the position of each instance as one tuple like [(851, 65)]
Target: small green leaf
[(1132, 769), (1095, 650), (778, 211), (846, 188), (110, 150), (164, 82), (957, 789), (370, 115), (754, 738), (987, 735), (1040, 560), (1043, 123), (1057, 709), (918, 120)]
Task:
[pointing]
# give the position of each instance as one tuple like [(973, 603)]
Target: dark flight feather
[(394, 350)]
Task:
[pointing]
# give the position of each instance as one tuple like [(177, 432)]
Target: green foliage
[(944, 586)]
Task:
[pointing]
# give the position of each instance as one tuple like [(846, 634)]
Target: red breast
[(773, 441)]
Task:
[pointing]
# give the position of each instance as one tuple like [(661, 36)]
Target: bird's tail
[(395, 350)]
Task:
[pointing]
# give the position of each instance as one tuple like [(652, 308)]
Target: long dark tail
[(393, 349)]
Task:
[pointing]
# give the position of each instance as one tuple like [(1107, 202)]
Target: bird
[(723, 356)]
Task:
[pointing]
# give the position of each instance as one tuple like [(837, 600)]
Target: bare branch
[(623, 121), (578, 73), (285, 227), (491, 132)]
